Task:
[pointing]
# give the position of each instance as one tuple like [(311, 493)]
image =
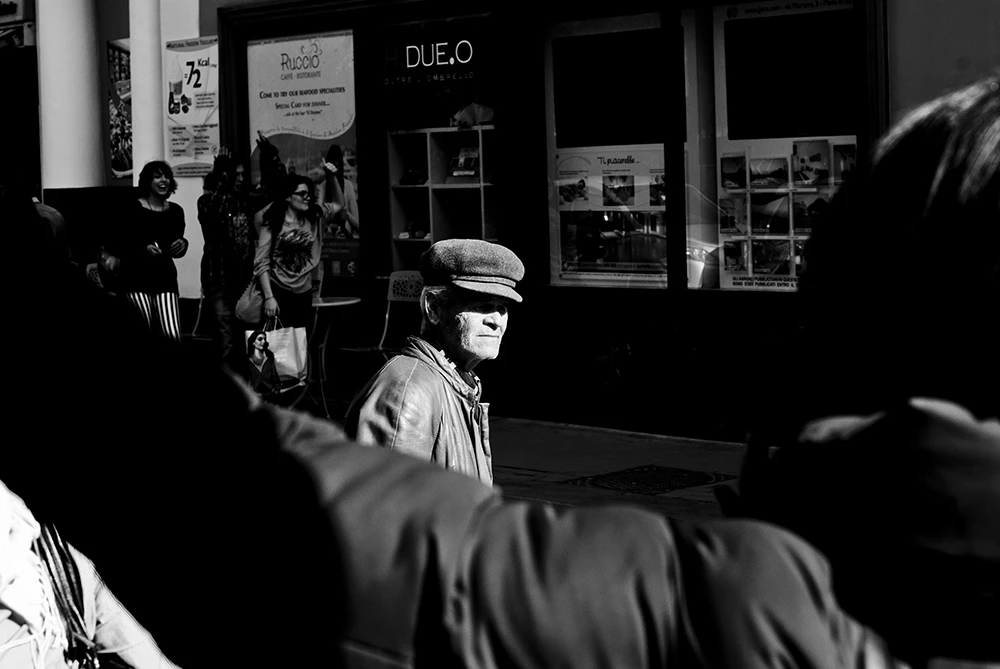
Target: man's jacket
[(420, 404), (434, 569)]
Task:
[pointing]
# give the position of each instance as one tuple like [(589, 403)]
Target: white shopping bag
[(289, 351)]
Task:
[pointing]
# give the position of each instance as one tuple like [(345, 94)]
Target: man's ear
[(430, 306)]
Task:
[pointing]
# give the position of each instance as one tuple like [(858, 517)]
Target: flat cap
[(473, 264)]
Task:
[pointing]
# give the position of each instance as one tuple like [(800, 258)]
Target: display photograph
[(805, 208), (734, 256), (769, 173), (772, 256), (734, 171), (733, 215), (844, 156), (657, 190), (769, 213), (811, 163), (619, 191), (574, 191)]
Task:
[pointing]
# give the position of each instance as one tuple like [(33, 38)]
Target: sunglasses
[(304, 194)]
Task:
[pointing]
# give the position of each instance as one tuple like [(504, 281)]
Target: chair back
[(405, 286)]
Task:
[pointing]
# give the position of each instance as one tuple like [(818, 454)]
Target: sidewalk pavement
[(573, 465), (577, 465)]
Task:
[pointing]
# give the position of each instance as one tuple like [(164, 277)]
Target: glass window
[(784, 110), (606, 190), (770, 111)]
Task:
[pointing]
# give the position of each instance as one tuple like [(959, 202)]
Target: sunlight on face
[(472, 330)]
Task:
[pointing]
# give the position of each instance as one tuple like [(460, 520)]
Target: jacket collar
[(466, 384)]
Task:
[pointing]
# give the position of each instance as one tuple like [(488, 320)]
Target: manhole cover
[(651, 479)]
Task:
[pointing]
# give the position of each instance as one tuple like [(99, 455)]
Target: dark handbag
[(250, 306), (68, 590)]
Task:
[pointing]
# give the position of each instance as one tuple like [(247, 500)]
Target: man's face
[(473, 328)]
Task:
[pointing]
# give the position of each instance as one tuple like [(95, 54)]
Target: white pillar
[(179, 20), (69, 94), (147, 83)]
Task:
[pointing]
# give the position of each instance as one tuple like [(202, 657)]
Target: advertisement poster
[(120, 108), (301, 99), (191, 70), (611, 215)]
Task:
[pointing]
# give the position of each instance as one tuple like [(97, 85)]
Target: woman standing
[(142, 247), (263, 370), (287, 263)]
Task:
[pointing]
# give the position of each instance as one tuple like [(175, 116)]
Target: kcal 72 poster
[(191, 70)]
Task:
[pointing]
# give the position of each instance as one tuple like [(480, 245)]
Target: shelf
[(409, 185), (422, 240), (417, 131), (450, 186)]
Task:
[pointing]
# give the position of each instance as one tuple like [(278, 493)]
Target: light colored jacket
[(420, 404)]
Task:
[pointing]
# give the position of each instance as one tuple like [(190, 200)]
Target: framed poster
[(302, 100), (611, 214), (191, 70), (120, 108)]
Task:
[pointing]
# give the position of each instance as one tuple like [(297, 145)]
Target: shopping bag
[(289, 348), (279, 361)]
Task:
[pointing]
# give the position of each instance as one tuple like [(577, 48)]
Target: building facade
[(659, 292)]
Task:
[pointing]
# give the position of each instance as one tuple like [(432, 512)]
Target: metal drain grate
[(651, 480)]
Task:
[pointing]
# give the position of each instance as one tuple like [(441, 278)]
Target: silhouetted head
[(902, 273)]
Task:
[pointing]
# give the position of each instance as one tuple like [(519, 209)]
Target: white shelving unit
[(442, 207)]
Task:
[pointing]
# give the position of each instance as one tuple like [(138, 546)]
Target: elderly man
[(425, 402)]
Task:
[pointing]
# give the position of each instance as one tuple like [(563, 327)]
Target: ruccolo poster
[(191, 71), (611, 214), (301, 97)]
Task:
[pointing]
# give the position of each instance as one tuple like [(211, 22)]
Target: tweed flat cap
[(473, 264)]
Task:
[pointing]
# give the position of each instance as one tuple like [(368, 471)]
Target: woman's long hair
[(275, 216)]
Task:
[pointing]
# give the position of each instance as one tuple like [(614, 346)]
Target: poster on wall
[(611, 215), (191, 72), (301, 100), (120, 108)]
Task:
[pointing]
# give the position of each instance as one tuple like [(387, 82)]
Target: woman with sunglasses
[(287, 263)]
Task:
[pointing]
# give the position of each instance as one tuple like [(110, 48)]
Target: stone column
[(69, 94), (147, 83)]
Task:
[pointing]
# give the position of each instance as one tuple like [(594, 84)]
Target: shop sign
[(431, 55)]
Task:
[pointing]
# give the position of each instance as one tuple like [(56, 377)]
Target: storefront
[(659, 293)]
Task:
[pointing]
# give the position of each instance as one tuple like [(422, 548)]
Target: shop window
[(604, 93), (785, 112), (768, 136)]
